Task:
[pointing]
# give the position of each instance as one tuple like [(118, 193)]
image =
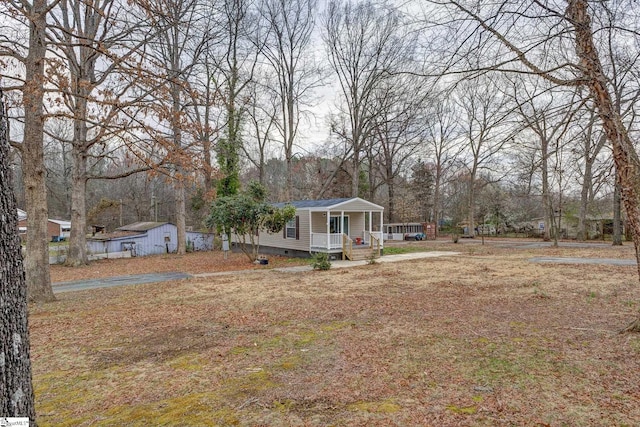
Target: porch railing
[(375, 243), (326, 241), (347, 247), (369, 237)]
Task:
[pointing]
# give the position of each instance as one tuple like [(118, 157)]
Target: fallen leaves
[(442, 342)]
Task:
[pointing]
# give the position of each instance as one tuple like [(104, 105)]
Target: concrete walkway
[(385, 258), (342, 264)]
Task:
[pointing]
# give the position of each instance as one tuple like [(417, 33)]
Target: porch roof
[(333, 204)]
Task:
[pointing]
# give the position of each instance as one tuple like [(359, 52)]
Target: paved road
[(110, 282)]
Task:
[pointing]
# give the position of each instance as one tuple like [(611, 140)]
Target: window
[(292, 229)]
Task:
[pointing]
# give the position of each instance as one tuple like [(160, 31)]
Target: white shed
[(146, 238)]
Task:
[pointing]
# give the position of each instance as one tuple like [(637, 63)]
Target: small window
[(291, 229)]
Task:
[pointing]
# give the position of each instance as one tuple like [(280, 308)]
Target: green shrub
[(320, 261)]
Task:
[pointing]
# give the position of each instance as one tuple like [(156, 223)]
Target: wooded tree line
[(436, 110)]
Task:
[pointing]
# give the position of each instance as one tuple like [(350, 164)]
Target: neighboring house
[(597, 226), (56, 229), (319, 226), (22, 223), (146, 238)]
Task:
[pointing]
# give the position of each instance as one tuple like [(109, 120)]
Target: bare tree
[(549, 114), (262, 113), (95, 42), (32, 55), (593, 141), (287, 48), (398, 132), (483, 120), (58, 162), (204, 111), (16, 388), (366, 46), (442, 137), (173, 57), (541, 31)]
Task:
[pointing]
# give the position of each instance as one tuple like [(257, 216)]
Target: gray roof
[(141, 226), (301, 204), (329, 204)]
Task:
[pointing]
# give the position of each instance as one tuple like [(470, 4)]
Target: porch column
[(342, 222), (310, 228), (381, 231), (328, 215), (370, 224)]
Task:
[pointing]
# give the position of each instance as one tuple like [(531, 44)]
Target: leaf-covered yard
[(485, 338)]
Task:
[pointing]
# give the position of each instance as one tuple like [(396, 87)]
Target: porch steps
[(362, 254)]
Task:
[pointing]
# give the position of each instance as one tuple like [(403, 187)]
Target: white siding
[(149, 243), (319, 220), (200, 241)]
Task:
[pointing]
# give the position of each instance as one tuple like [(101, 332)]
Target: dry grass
[(487, 338), (193, 263)]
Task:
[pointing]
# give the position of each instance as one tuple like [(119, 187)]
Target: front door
[(334, 225)]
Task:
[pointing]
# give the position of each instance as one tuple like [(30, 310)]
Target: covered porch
[(335, 229)]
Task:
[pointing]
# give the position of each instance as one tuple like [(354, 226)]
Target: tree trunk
[(584, 199), (181, 216), (436, 196), (289, 134), (78, 239), (624, 155), (355, 173), (546, 196), (33, 171), (391, 191), (471, 218), (16, 389), (289, 175), (206, 143), (617, 220)]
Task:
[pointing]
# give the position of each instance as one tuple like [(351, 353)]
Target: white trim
[(373, 206), (60, 222), (287, 228), (359, 200)]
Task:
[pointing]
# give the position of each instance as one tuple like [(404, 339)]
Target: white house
[(330, 226)]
